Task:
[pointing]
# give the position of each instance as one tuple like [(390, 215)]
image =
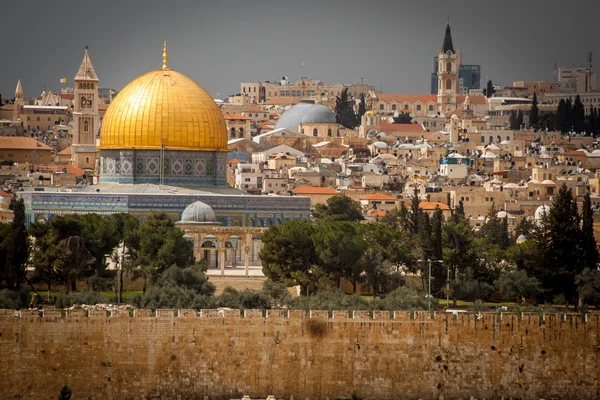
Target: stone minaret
[(448, 64), (18, 106), (86, 119)]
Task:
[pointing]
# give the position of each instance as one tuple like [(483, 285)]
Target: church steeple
[(19, 101), (86, 69), (447, 40)]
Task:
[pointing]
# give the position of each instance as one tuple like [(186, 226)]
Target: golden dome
[(163, 107)]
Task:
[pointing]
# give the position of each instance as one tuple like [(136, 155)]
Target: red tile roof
[(379, 196), (22, 143), (411, 98), (314, 190), (237, 117), (233, 161), (430, 205), (68, 96)]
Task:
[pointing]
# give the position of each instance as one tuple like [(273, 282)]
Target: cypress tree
[(362, 108), (344, 114), (415, 211), (564, 246), (578, 115), (568, 115), (534, 113), (561, 116), (590, 251), (460, 209), (520, 119), (513, 121)]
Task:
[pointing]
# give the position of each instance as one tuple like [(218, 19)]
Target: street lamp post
[(429, 261)]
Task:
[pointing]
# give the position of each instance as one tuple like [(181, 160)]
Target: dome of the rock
[(163, 107)]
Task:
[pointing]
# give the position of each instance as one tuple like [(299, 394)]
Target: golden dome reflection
[(163, 107)]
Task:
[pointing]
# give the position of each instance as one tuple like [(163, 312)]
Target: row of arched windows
[(86, 85), (233, 132)]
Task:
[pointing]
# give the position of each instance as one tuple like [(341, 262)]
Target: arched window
[(87, 160), (82, 102), (315, 132), (430, 107), (381, 107), (241, 132), (393, 107), (449, 67), (418, 107), (232, 133), (329, 132), (406, 106), (483, 139), (86, 125), (448, 84)]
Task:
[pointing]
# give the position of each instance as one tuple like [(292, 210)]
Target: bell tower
[(18, 106), (86, 119), (449, 61)]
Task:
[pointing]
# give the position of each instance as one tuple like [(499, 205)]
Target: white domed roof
[(521, 238), (541, 210), (380, 144), (198, 213), (305, 112)]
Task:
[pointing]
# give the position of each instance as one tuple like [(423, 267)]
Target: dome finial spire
[(165, 56)]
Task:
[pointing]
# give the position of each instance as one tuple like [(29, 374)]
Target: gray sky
[(222, 43)]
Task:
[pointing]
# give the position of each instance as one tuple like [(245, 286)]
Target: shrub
[(78, 298), (330, 301), (10, 299), (245, 299), (173, 297), (403, 298)]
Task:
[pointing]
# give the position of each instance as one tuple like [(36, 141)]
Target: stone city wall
[(224, 354)]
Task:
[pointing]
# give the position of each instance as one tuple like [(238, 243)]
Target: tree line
[(553, 262)]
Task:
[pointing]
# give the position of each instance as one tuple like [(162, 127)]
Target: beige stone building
[(24, 150), (238, 126)]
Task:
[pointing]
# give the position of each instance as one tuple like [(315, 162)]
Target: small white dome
[(198, 213), (380, 144)]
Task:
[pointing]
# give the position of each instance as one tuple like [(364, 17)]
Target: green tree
[(495, 230), (415, 211), (338, 208), (60, 254), (344, 113), (362, 108), (565, 245), (578, 119), (520, 119), (489, 90), (288, 254), (14, 249), (518, 286), (340, 246), (513, 121), (398, 218), (590, 251), (162, 245), (534, 113), (524, 227), (458, 250), (561, 122), (467, 287), (460, 209), (588, 286)]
